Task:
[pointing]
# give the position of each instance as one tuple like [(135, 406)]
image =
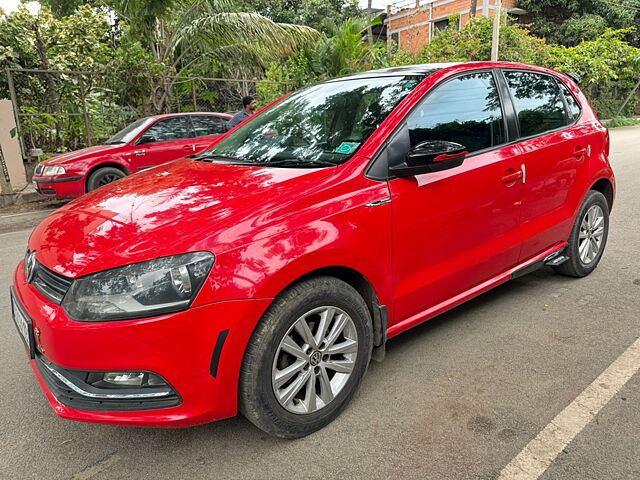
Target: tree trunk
[(162, 91), (51, 89)]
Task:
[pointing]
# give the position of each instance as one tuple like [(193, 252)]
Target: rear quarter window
[(572, 103)]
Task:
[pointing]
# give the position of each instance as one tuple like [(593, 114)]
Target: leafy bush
[(622, 122)]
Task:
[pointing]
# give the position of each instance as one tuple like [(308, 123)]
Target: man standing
[(248, 107)]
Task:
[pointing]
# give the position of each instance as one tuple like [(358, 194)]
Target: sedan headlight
[(145, 289), (53, 170)]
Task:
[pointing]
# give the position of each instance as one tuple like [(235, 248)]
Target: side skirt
[(522, 269)]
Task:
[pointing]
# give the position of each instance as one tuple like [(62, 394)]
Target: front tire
[(306, 358), (104, 176), (588, 237)]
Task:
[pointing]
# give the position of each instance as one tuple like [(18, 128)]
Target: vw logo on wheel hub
[(315, 358)]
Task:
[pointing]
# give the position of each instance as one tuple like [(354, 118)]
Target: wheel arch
[(363, 286), (98, 166), (605, 187)]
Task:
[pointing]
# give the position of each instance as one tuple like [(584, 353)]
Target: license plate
[(24, 325)]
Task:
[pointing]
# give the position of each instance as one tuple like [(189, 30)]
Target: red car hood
[(78, 154), (175, 208)]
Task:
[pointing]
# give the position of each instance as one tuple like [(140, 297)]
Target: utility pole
[(496, 31), (369, 29)]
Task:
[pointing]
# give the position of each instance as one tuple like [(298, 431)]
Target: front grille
[(67, 396), (47, 191), (51, 284)]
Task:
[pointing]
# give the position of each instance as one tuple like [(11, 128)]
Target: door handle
[(139, 153), (580, 151), (512, 177), (189, 147)]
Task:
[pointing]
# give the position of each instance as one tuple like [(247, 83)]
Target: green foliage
[(304, 12), (473, 43), (339, 51), (608, 66), (622, 122), (568, 22)]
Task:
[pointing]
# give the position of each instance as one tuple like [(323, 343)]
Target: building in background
[(411, 24)]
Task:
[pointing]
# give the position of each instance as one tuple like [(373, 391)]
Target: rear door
[(206, 129), (167, 139), (457, 228), (555, 151)]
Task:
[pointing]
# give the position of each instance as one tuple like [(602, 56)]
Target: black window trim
[(564, 103), (187, 120), (564, 99), (507, 117)]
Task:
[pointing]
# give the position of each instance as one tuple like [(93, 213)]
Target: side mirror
[(146, 138), (430, 156)]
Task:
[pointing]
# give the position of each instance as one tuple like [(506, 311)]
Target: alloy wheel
[(314, 360), (108, 178), (591, 234)]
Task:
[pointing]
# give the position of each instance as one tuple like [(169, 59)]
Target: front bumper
[(180, 347), (69, 186)]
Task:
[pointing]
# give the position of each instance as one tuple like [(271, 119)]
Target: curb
[(18, 198)]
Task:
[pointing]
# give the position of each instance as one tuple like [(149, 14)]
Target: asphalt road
[(457, 398)]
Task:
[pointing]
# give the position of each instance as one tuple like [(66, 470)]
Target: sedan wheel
[(104, 176)]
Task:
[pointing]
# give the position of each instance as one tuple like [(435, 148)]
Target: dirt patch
[(34, 206)]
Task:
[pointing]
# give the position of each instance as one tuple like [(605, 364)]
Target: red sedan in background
[(143, 144)]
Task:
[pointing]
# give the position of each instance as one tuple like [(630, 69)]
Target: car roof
[(425, 69), (420, 69), (165, 115)]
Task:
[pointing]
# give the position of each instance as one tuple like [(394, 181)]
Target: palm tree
[(185, 33)]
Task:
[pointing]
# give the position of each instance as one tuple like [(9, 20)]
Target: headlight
[(53, 170), (145, 289)]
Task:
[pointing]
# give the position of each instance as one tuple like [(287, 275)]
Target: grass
[(621, 122)]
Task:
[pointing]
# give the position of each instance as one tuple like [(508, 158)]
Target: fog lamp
[(125, 379)]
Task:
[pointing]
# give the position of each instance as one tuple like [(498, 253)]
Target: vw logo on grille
[(30, 265)]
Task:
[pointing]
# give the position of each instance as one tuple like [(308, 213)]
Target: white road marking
[(538, 455)]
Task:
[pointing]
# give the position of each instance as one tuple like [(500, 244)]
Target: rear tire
[(325, 305), (104, 176), (588, 237)]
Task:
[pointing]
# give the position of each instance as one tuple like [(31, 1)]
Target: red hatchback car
[(265, 273), (143, 144)]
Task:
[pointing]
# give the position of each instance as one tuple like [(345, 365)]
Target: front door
[(454, 229), (166, 140)]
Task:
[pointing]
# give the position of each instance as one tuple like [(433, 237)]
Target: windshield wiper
[(118, 142), (297, 162), (214, 157)]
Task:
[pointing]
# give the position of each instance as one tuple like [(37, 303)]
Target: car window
[(129, 132), (574, 106), (464, 110), (168, 129), (204, 125), (537, 102)]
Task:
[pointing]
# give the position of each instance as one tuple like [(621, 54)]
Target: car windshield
[(323, 125), (129, 132)]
